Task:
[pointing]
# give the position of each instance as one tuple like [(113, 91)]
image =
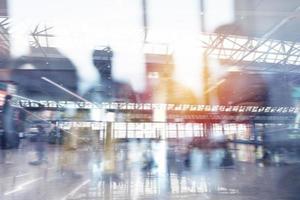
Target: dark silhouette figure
[(109, 89), (11, 138), (40, 146)]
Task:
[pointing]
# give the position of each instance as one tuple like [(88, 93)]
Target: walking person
[(40, 146), (11, 138)]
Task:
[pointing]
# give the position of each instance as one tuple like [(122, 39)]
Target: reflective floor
[(144, 170)]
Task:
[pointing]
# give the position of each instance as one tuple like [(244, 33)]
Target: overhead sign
[(154, 106)]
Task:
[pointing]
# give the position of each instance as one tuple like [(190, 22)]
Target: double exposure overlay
[(149, 99)]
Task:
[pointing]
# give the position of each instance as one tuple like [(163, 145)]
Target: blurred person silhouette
[(110, 89), (11, 138), (227, 160), (148, 158), (243, 87), (40, 148), (240, 87), (69, 155), (20, 125)]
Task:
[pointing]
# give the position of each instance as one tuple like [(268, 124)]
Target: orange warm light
[(170, 91), (2, 97)]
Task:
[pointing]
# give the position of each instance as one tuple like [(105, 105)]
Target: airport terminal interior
[(149, 99)]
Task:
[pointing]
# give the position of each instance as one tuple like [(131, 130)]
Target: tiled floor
[(90, 174)]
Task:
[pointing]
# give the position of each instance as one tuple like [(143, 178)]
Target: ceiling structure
[(262, 39)]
